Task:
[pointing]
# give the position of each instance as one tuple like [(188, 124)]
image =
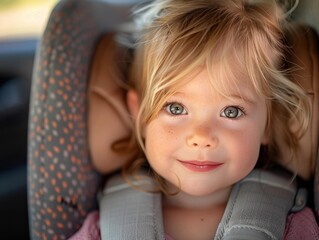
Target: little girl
[(210, 102)]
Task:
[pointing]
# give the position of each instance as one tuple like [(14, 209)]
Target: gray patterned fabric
[(62, 184)]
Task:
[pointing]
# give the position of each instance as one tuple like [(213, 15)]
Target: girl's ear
[(133, 102)]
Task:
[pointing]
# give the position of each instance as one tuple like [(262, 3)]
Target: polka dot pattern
[(62, 183)]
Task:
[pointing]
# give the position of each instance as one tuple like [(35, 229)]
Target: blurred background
[(21, 25), (23, 18)]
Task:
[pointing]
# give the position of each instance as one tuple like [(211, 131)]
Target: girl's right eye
[(175, 109)]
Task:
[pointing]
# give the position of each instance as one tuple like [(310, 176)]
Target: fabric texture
[(127, 213), (90, 229), (258, 206), (300, 225), (62, 182), (257, 209)]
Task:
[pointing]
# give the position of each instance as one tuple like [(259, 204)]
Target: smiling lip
[(200, 166)]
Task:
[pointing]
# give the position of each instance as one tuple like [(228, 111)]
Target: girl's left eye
[(232, 112), (175, 108)]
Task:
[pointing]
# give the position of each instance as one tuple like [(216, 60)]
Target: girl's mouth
[(200, 166)]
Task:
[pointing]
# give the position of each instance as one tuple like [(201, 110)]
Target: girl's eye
[(232, 112), (175, 109)]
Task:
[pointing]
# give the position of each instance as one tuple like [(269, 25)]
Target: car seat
[(72, 66)]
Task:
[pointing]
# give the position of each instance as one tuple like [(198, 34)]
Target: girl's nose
[(202, 138)]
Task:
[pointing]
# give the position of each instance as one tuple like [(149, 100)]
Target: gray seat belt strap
[(258, 207), (127, 213)]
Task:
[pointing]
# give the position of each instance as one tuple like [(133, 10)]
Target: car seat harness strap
[(257, 209)]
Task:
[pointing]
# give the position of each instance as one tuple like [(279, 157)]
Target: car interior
[(48, 184)]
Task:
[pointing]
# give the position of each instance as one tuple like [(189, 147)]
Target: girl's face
[(204, 142)]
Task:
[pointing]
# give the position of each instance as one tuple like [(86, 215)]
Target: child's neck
[(184, 200), (194, 217)]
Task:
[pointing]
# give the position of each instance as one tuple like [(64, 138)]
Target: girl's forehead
[(224, 76), (221, 84)]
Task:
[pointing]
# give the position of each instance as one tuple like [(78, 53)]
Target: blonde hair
[(181, 37)]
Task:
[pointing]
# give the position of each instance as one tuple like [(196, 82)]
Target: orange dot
[(59, 208), (57, 189), (73, 159), (52, 80), (53, 181), (44, 85), (61, 84), (66, 131), (58, 72), (47, 222), (38, 129), (59, 92), (64, 216), (60, 225), (69, 147), (62, 141), (44, 237), (67, 80), (52, 167), (64, 184), (59, 175), (70, 125), (70, 104), (56, 149), (49, 153), (54, 124)]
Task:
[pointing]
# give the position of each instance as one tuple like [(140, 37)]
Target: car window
[(24, 18)]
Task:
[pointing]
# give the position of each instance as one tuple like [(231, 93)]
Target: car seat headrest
[(62, 184)]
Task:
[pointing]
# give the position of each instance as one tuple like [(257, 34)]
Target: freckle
[(202, 219)]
